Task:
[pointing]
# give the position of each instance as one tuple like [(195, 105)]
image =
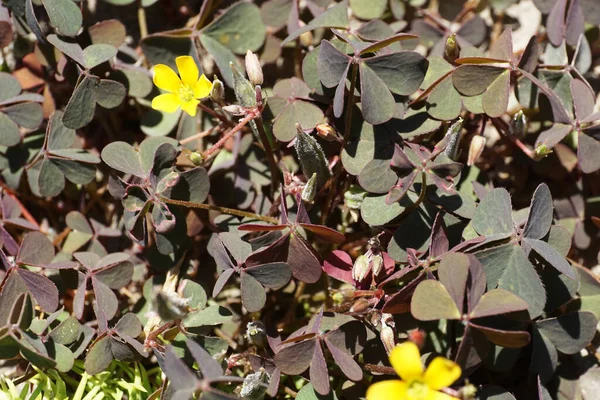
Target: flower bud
[(388, 338), (310, 189), (253, 68), (196, 158), (452, 49), (453, 139), (518, 124), (306, 39), (417, 337), (217, 93), (361, 305), (325, 131), (244, 90), (475, 149), (361, 268), (541, 151)]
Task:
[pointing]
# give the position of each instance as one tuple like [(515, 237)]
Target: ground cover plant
[(380, 199)]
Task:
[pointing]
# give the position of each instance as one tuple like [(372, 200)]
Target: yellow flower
[(184, 92), (416, 384)]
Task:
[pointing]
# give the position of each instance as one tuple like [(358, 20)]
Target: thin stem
[(463, 348), (141, 15), (350, 103), (229, 134), (196, 136), (224, 210), (269, 153), (212, 112)]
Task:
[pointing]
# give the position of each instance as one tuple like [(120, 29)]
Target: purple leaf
[(209, 367), (182, 379), (272, 275), (302, 260), (551, 256), (575, 23), (79, 299), (583, 99), (553, 136), (35, 249), (222, 281), (540, 213), (338, 265), (295, 359), (319, 376), (555, 25), (253, 294), (105, 298), (331, 235), (453, 272), (509, 339), (346, 363), (42, 289), (439, 243)]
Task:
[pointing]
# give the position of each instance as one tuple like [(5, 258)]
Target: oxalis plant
[(359, 199)]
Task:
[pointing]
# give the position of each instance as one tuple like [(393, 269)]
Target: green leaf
[(223, 57), (9, 131), (431, 301), (587, 150), (10, 86), (212, 315), (589, 291), (506, 267), (66, 332), (64, 15), (240, 28), (495, 99), (122, 157), (496, 302), (28, 115), (471, 79), (50, 179), (368, 9), (82, 104), (570, 332), (302, 112), (551, 256), (375, 212), (493, 216), (194, 292), (163, 48), (109, 93), (97, 54), (63, 356), (334, 17), (540, 213), (99, 356), (377, 176), (444, 102), (332, 64), (68, 46)]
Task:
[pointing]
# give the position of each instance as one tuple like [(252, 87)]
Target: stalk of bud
[(475, 149), (253, 68)]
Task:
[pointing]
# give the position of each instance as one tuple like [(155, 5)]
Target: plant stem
[(212, 112), (229, 134), (269, 153), (141, 15), (350, 103), (224, 210)]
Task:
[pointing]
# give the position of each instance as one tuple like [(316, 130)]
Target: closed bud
[(306, 39), (361, 268), (311, 157), (475, 149), (361, 305), (310, 189), (388, 338), (244, 90), (453, 139), (452, 49), (253, 68), (468, 392), (234, 109), (377, 264), (417, 337), (325, 131), (217, 93), (518, 124), (541, 151), (196, 158)]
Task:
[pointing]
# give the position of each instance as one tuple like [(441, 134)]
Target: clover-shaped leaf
[(17, 110)]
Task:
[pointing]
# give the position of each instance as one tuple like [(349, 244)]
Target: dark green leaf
[(570, 332), (64, 15), (82, 104), (431, 301), (540, 213), (551, 256), (377, 102), (493, 216), (122, 157)]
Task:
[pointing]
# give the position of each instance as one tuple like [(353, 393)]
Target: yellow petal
[(167, 102), (435, 395), (392, 389), (188, 70), (190, 107), (166, 79), (441, 373), (406, 360), (203, 87)]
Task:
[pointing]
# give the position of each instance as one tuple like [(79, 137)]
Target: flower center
[(185, 93), (417, 390)]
